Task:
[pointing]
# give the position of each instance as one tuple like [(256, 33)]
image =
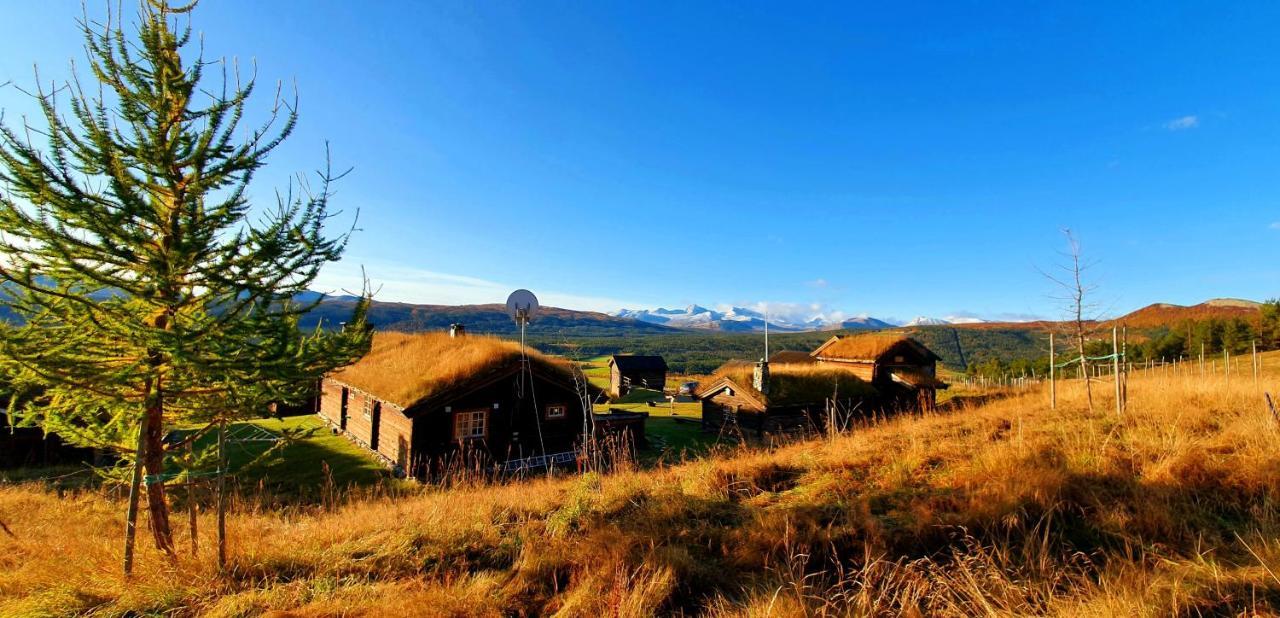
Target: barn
[(424, 401), (902, 369), (757, 399), (627, 371)]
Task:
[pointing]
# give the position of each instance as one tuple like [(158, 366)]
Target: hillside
[(1004, 509), (1164, 314), (488, 319)]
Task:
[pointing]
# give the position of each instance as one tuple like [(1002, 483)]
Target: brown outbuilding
[(627, 371)]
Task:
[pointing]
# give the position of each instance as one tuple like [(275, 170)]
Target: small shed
[(422, 402), (760, 399), (629, 371), (900, 367)]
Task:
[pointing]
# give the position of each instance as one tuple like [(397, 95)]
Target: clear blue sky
[(893, 159)]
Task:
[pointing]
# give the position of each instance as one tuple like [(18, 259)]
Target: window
[(898, 359), (367, 408), (557, 411), (470, 425)]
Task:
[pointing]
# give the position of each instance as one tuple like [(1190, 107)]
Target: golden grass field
[(1007, 508)]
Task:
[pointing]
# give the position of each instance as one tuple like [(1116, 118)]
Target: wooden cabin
[(628, 371), (424, 401), (902, 369), (31, 446), (755, 399)]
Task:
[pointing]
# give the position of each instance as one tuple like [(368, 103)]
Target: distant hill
[(1165, 314), (865, 323), (481, 319)]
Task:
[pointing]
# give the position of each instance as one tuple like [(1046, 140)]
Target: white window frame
[(475, 422), (557, 411), (366, 407)]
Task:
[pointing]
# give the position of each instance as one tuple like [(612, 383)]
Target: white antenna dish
[(522, 305)]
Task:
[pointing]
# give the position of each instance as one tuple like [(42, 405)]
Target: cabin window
[(470, 425), (557, 411), (367, 408), (898, 359)]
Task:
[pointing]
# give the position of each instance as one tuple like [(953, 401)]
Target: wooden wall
[(515, 427), (374, 424), (655, 380)]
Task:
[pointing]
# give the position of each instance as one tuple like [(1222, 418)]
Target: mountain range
[(740, 319), (493, 318)]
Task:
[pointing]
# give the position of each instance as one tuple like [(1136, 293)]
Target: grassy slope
[(1008, 508)]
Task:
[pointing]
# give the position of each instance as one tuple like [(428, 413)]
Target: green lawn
[(296, 470), (597, 371)]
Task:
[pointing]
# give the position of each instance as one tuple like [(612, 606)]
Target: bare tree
[(1075, 300)]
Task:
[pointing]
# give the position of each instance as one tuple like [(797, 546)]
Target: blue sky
[(895, 159)]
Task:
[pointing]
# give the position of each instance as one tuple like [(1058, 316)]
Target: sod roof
[(791, 384), (867, 347), (791, 357), (408, 369)]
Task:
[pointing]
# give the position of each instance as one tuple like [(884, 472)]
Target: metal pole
[(1115, 360)]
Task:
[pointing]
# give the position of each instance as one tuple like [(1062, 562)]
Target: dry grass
[(407, 368), (1003, 509)]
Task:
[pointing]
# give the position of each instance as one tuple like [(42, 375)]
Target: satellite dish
[(521, 306)]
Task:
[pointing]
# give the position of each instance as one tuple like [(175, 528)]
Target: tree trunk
[(153, 462)]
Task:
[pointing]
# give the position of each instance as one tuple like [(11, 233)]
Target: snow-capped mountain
[(951, 319), (742, 319), (926, 321)]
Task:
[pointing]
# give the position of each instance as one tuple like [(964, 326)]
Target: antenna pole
[(766, 334)]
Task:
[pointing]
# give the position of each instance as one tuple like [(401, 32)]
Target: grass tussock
[(996, 509), (406, 368)]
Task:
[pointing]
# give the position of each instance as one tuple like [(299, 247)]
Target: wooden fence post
[(1053, 384), (222, 496), (131, 517)]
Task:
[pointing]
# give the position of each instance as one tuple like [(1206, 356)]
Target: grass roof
[(407, 369), (795, 384), (867, 346)]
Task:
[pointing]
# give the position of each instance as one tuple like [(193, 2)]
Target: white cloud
[(1183, 123), (817, 283), (393, 283), (1275, 225)]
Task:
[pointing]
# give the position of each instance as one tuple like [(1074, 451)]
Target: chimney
[(760, 377), (457, 330)]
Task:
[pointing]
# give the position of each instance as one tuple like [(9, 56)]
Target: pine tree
[(151, 294)]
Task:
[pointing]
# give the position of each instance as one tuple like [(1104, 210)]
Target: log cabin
[(628, 371), (422, 402), (32, 446), (758, 400), (902, 369)]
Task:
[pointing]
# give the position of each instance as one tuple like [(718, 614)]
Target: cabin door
[(342, 411), (376, 422)]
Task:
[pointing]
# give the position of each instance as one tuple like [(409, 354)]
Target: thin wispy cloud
[(1275, 225), (1183, 123), (393, 283)]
